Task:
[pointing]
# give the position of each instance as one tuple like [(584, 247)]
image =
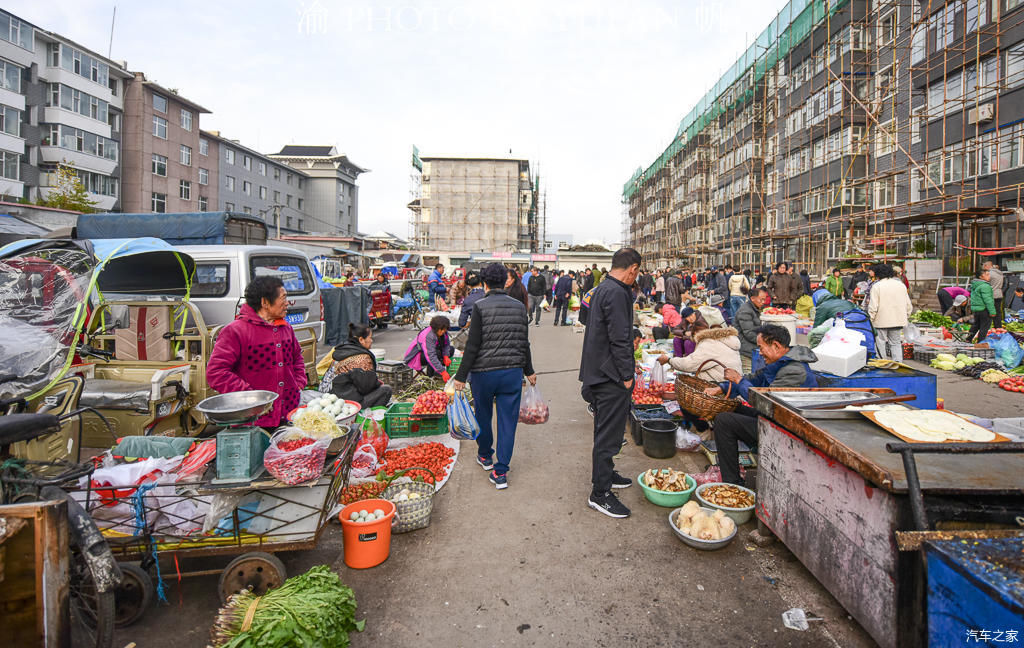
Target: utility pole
[(277, 219)]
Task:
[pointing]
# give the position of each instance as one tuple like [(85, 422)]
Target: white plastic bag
[(839, 333), (364, 461), (686, 440), (658, 379), (532, 408)]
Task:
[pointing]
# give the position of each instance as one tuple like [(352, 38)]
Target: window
[(263, 168), (10, 165), (203, 206), (247, 210), (977, 14), (204, 146), (885, 83), (75, 139), (229, 183), (185, 154), (277, 174), (246, 187), (229, 156), (247, 162), (1012, 4), (277, 197), (299, 225), (159, 127), (301, 182), (159, 203), (299, 204), (10, 120), (288, 181), (114, 121), (185, 190), (888, 28), (288, 200), (212, 279), (1015, 66), (14, 31), (204, 176), (263, 192), (114, 86), (294, 270), (10, 76), (885, 193), (159, 103), (159, 165), (1009, 148), (885, 138), (919, 43), (76, 101), (186, 119), (229, 206)]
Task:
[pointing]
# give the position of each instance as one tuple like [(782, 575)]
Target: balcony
[(52, 115), (77, 159)]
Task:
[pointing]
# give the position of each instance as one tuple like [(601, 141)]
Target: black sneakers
[(608, 504), (618, 481)]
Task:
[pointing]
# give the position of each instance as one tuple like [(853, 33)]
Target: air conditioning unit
[(983, 113)]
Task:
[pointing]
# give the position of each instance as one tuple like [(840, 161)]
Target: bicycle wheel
[(93, 576)]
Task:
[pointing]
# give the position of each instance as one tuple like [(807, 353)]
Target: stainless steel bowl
[(697, 543), (237, 407), (738, 515)]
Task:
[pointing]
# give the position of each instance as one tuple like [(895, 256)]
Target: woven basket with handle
[(691, 396), (411, 514)]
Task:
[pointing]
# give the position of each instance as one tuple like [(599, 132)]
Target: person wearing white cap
[(960, 310)]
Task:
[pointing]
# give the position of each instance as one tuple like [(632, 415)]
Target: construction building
[(849, 130), (465, 204)]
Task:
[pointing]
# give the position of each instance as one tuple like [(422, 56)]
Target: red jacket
[(251, 353)]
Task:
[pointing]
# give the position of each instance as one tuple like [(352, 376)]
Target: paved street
[(532, 565)]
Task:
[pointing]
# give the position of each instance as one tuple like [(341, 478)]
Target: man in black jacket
[(498, 356), (607, 370), (563, 292), (536, 289), (674, 289)]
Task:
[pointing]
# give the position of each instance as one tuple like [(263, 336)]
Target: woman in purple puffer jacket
[(259, 350)]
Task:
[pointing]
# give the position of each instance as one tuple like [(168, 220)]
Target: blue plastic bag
[(461, 420), (1008, 352)]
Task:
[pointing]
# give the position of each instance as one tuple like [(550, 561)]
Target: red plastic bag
[(364, 461), (374, 434), (295, 457), (712, 475), (532, 409)]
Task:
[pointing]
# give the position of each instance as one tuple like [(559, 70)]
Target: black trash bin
[(659, 438)]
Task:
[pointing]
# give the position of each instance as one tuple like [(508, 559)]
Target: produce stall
[(833, 489)]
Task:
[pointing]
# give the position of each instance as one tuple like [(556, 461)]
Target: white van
[(223, 272)]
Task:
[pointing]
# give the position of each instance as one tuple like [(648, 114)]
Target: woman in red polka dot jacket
[(259, 350)]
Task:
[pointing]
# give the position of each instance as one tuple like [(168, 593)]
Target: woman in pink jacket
[(259, 350)]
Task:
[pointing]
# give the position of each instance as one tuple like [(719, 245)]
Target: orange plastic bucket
[(367, 544)]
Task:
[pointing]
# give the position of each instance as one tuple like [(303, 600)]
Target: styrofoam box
[(840, 359)]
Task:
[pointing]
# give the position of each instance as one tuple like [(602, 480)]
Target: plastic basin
[(696, 543), (738, 515), (666, 498)]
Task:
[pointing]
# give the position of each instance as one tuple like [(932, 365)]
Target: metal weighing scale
[(240, 444)]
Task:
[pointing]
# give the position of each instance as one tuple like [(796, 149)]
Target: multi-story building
[(476, 205), (254, 183), (849, 130), (162, 151), (331, 202), (60, 103)]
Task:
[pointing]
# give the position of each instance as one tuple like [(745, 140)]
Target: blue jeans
[(504, 387), (735, 303)]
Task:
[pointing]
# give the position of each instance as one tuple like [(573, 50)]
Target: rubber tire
[(137, 583), (259, 588)]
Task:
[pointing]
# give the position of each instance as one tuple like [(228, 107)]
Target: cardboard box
[(144, 338)]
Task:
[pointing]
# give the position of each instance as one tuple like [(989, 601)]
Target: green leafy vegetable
[(312, 609), (932, 318)]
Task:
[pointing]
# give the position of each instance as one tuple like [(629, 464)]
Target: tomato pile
[(431, 402), (296, 460), (771, 310), (435, 456), (996, 331), (366, 490), (644, 396), (534, 414), (1013, 383)]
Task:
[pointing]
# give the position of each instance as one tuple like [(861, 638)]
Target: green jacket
[(834, 285), (981, 297), (830, 307)]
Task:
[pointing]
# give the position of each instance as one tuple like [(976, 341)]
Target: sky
[(586, 90)]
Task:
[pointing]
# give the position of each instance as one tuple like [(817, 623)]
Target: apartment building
[(254, 183), (331, 201), (60, 103), (848, 130), (161, 151), (475, 205)]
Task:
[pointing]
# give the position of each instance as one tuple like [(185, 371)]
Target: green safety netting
[(791, 26)]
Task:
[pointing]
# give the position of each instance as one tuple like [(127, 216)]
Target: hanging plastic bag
[(574, 303), (364, 461), (461, 420), (840, 333), (532, 409), (295, 457), (544, 304), (658, 379), (686, 441), (1008, 352), (372, 432)]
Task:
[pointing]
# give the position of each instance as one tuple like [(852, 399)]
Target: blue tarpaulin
[(190, 228)]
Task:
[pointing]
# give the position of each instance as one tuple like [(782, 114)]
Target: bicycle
[(94, 575)]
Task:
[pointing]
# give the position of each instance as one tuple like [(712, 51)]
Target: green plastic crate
[(453, 368), (399, 422)]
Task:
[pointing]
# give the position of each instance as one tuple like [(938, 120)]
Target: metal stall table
[(830, 490)]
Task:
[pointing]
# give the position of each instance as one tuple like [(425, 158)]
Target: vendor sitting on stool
[(786, 367), (431, 352), (351, 370)]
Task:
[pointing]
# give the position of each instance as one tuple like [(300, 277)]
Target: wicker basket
[(411, 514), (691, 396)]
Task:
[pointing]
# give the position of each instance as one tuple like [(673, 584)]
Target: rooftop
[(308, 151)]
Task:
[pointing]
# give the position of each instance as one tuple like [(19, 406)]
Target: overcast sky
[(588, 90)]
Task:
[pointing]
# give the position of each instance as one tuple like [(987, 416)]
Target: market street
[(532, 565)]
